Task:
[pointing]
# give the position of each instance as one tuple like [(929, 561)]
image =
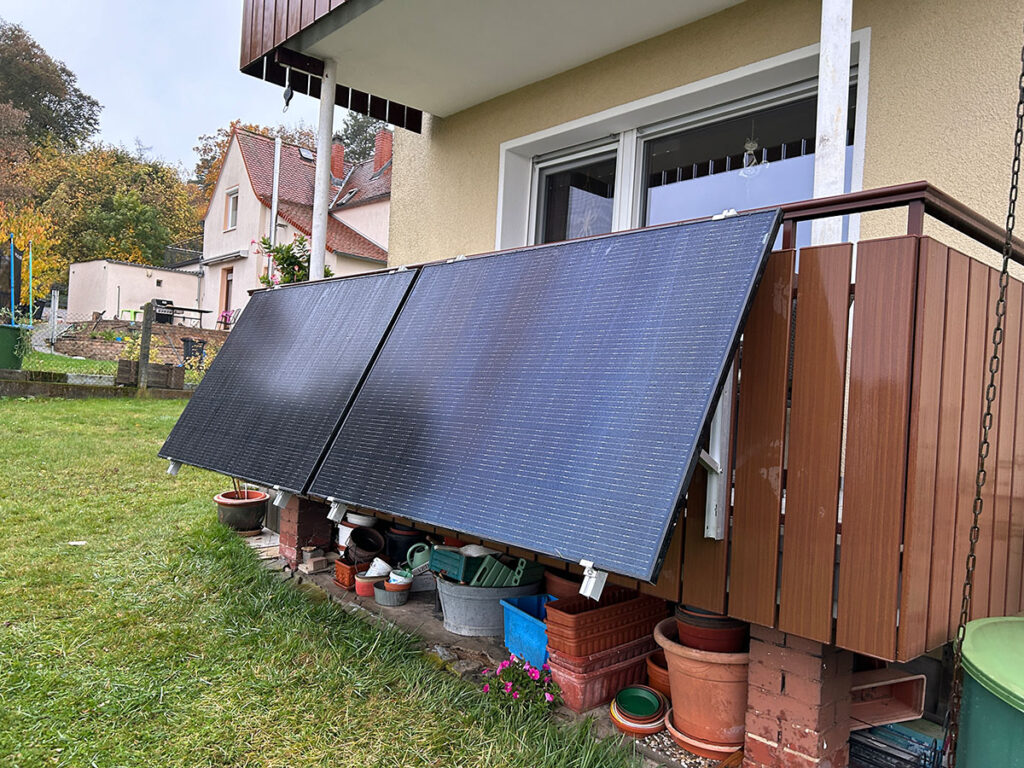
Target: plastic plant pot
[(657, 673), (365, 584), (707, 631), (241, 511), (696, 746), (639, 703), (390, 586)]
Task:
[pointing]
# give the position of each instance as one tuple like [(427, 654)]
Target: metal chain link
[(952, 723)]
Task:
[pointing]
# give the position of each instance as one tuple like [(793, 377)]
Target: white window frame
[(777, 80), (773, 81), (230, 197)]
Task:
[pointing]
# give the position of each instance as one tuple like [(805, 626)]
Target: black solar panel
[(553, 398), (273, 396)]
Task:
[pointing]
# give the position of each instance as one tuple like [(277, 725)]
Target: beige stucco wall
[(370, 220), (103, 286), (940, 107)]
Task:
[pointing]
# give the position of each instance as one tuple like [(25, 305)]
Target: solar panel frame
[(419, 322), (272, 400)]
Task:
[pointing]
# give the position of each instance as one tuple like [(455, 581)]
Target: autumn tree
[(14, 149), (45, 90)]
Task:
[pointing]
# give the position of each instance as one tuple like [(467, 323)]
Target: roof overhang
[(220, 259), (448, 55)]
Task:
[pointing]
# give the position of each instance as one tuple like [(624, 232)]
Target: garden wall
[(97, 340)]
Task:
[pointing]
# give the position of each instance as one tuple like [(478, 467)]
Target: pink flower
[(508, 687), (545, 667), (511, 657), (484, 671), (547, 679), (487, 688), (515, 695), (548, 698), (502, 667), (534, 674)]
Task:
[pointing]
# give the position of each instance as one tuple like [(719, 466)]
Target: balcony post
[(322, 177), (833, 95)]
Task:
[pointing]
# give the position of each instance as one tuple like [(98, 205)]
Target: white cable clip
[(593, 580), (726, 214)]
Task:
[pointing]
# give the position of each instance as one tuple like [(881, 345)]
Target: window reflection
[(577, 199)]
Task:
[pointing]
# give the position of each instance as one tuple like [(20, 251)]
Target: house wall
[(96, 286), (370, 220), (941, 102)]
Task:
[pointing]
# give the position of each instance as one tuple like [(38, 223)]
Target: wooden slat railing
[(900, 391)]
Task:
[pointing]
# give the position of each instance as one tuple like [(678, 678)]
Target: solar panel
[(273, 396), (553, 398)]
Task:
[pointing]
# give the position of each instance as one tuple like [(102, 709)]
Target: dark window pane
[(576, 201)]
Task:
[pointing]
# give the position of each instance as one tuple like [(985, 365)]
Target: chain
[(953, 711)]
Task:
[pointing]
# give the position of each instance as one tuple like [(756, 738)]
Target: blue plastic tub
[(526, 634)]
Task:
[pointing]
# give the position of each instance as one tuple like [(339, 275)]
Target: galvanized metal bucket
[(477, 611)]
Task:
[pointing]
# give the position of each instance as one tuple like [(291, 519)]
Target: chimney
[(381, 148), (337, 159)]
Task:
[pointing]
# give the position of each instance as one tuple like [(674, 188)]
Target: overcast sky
[(165, 72)]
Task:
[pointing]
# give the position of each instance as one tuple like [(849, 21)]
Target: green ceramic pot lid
[(993, 654), (635, 701)]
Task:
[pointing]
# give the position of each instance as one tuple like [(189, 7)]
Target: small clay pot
[(640, 704), (365, 584), (634, 728), (392, 587), (714, 632), (696, 746)]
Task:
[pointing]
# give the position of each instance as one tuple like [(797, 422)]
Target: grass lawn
[(161, 641), (44, 361)]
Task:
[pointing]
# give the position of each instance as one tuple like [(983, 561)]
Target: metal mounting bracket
[(593, 580)]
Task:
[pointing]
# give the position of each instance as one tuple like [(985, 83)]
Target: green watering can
[(418, 554)]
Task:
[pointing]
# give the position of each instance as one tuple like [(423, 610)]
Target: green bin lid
[(993, 654)]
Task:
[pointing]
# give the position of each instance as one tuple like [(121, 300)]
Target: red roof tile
[(295, 191)]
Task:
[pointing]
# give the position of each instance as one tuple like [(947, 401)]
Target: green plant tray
[(527, 572), (492, 573), (454, 565)]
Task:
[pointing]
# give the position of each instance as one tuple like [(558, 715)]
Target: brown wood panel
[(815, 442), (923, 446), (322, 7), (670, 579), (256, 30), (1003, 485), (704, 560), (760, 442), (294, 23), (947, 473), (975, 348), (1015, 544), (308, 13), (281, 21), (269, 13), (876, 445), (246, 46), (983, 550)]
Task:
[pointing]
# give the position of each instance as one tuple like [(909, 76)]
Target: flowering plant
[(516, 680)]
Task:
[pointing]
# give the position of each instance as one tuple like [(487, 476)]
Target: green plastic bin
[(992, 712), (9, 357)]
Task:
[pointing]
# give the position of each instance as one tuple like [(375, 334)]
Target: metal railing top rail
[(919, 197)]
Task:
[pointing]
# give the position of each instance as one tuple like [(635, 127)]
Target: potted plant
[(242, 509)]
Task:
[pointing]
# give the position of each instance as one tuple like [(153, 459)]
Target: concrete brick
[(802, 644), (812, 742), (767, 635), (760, 752), (766, 677), (764, 727)]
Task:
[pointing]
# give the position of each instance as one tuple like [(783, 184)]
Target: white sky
[(164, 71)]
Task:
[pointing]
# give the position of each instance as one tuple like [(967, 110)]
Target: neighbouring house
[(119, 289), (849, 476), (240, 207)]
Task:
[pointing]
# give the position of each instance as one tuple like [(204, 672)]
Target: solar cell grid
[(553, 398), (273, 396)]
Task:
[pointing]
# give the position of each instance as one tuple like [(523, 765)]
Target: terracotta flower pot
[(696, 746), (392, 587), (709, 690), (241, 511), (365, 584)]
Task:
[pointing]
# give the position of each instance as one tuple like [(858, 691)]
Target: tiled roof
[(295, 192)]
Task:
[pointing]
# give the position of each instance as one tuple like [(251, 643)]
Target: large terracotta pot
[(241, 511), (709, 690)]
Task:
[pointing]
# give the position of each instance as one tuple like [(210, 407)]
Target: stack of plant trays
[(598, 648)]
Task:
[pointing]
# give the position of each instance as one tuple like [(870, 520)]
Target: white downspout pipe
[(322, 178), (273, 197), (833, 94)]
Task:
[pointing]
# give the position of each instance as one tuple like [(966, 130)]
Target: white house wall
[(370, 220)]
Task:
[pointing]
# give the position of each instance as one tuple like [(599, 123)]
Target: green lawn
[(44, 361), (162, 642)]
